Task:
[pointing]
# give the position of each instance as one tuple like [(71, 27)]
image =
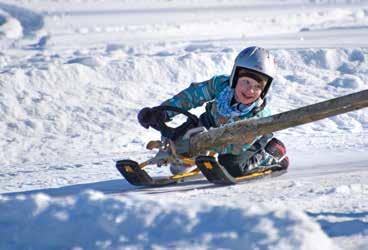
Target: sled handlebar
[(175, 133)]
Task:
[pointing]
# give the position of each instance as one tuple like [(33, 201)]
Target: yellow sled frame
[(167, 154)]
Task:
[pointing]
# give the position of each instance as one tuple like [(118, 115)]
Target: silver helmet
[(257, 60)]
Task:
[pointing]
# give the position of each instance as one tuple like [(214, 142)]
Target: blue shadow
[(354, 223)]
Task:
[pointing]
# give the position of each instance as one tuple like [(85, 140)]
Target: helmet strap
[(266, 88)]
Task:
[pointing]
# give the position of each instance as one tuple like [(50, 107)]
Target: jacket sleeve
[(196, 94)]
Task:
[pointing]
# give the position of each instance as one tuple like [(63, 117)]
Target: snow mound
[(347, 81), (88, 61), (29, 21), (344, 122), (349, 189), (92, 220), (10, 27)]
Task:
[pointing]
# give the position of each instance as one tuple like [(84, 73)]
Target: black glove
[(151, 117)]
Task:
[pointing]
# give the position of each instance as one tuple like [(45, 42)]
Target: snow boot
[(273, 155)]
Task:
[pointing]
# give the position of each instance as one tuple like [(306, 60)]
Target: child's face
[(247, 90)]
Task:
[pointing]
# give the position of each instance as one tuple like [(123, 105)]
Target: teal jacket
[(200, 93)]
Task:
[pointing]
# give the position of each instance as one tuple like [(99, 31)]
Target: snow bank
[(92, 220), (349, 189), (22, 20), (10, 27)]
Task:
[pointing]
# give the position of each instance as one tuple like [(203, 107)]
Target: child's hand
[(144, 116), (151, 117)]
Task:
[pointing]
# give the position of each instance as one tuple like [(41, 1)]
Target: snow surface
[(73, 75)]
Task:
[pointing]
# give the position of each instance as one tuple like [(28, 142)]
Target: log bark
[(245, 131)]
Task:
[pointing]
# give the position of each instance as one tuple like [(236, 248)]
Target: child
[(228, 99)]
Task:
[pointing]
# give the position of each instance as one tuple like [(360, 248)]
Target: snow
[(135, 223), (75, 73), (10, 27)]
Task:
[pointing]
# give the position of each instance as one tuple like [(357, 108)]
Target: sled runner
[(217, 174), (137, 176), (167, 154)]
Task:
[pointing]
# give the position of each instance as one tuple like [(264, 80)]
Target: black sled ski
[(134, 172), (137, 176), (217, 174)]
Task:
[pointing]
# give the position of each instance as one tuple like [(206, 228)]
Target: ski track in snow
[(68, 102)]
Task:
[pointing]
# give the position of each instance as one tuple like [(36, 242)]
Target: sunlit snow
[(74, 74)]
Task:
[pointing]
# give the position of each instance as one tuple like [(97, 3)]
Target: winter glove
[(151, 117)]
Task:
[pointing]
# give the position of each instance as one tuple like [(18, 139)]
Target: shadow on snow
[(353, 223), (117, 187)]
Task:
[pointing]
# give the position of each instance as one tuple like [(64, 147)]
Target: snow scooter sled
[(238, 132), (206, 164)]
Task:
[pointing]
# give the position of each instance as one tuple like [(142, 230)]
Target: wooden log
[(246, 131)]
